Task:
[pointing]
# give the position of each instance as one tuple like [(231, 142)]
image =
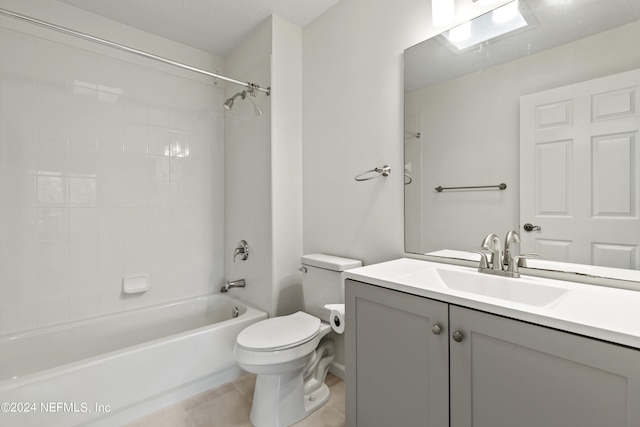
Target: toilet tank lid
[(330, 262)]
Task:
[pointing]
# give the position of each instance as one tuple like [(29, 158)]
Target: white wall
[(286, 165), (248, 172), (352, 71), (353, 121), (263, 159), (110, 165)]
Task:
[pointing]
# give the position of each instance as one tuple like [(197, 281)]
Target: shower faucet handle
[(242, 249)]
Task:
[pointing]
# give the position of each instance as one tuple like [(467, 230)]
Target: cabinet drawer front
[(509, 373)]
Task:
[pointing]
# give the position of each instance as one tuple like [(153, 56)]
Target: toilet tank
[(323, 282)]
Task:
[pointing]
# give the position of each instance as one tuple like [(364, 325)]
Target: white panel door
[(579, 178)]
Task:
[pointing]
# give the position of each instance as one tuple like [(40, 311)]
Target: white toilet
[(291, 354)]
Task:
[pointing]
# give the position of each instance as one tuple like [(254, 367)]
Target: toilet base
[(316, 399), (280, 400)]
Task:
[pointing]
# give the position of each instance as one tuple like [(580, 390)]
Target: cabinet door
[(506, 373), (396, 366)]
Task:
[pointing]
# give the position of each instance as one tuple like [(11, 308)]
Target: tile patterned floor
[(229, 406)]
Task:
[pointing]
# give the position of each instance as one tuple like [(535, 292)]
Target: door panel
[(579, 162)]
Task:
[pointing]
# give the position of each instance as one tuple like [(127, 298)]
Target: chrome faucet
[(242, 249), (501, 264), (496, 265), (509, 260), (240, 283), (492, 243)]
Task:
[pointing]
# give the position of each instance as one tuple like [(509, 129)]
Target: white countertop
[(605, 313)]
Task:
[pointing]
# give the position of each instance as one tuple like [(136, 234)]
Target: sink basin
[(521, 291)]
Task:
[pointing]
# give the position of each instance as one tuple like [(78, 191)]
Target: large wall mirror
[(535, 129)]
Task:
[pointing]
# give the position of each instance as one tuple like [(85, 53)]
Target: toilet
[(290, 355)]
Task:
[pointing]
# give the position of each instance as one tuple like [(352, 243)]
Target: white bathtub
[(109, 370)]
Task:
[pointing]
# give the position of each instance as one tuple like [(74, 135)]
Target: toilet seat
[(279, 333)]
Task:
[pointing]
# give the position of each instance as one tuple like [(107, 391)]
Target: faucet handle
[(521, 260), (484, 263), (242, 249)]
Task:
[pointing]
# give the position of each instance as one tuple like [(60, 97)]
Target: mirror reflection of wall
[(466, 107)]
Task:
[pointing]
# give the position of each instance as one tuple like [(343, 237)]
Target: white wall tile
[(53, 160), (83, 253), (136, 194), (111, 164), (111, 193), (83, 162), (83, 223), (111, 250), (52, 223), (83, 131), (52, 286), (52, 255), (159, 141), (111, 221), (83, 192), (82, 307), (136, 165), (111, 135), (110, 280), (98, 179), (52, 126), (53, 190), (135, 137), (83, 282)]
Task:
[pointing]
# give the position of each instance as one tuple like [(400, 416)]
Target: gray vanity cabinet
[(396, 367), (505, 373), (481, 370)]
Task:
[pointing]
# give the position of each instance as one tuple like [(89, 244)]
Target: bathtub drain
[(235, 312)]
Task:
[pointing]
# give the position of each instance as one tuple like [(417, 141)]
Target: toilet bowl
[(290, 356)]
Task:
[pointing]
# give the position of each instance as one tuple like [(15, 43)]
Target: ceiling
[(215, 26)]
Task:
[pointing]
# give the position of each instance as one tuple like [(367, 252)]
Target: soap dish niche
[(135, 284)]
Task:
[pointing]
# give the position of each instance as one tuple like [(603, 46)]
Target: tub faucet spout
[(240, 283)]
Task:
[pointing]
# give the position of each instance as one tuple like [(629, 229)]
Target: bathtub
[(108, 370)]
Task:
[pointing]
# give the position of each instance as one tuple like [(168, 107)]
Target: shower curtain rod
[(248, 85)]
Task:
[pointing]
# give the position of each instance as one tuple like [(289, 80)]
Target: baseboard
[(337, 369)]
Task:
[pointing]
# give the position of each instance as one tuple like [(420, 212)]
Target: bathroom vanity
[(431, 344)]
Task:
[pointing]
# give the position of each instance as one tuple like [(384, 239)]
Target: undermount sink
[(521, 291)]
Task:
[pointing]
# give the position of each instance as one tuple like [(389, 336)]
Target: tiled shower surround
[(108, 167)]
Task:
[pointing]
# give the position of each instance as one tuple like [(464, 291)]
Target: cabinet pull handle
[(436, 329), (457, 336)]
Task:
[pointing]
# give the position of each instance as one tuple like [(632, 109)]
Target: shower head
[(228, 104)]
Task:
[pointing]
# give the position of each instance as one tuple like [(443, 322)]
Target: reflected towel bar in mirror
[(501, 186)]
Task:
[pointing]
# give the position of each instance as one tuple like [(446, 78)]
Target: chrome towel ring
[(379, 171)]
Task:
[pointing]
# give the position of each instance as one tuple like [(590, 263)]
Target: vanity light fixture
[(460, 33), (506, 13), (442, 12), (501, 21)]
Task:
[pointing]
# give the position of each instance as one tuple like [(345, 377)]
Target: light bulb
[(442, 12)]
